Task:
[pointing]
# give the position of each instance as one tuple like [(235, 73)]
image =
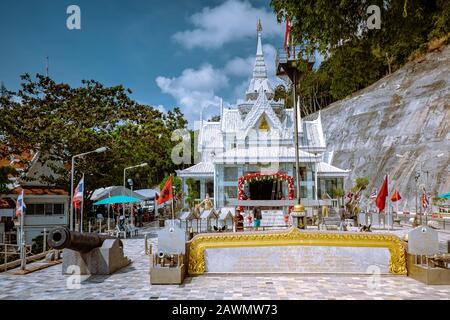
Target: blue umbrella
[(444, 195), (117, 199)]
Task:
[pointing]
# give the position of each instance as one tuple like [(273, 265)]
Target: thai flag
[(374, 194), (20, 205), (79, 191)]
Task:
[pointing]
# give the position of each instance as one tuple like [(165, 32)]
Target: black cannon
[(63, 238)]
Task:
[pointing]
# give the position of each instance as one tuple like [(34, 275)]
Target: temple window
[(230, 174)]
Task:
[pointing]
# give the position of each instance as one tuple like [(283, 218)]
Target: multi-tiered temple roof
[(259, 130)]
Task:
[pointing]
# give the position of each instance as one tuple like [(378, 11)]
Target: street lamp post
[(72, 171), (124, 186)]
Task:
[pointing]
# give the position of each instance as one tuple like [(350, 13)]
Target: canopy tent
[(117, 199), (147, 193), (444, 195), (112, 191)]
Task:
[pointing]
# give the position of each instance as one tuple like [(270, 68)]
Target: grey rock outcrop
[(406, 113)]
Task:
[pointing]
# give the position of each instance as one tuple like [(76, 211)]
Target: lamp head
[(100, 150)]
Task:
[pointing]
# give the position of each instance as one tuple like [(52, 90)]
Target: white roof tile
[(325, 169), (200, 169)]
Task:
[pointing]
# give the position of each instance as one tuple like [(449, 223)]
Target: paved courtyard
[(133, 282)]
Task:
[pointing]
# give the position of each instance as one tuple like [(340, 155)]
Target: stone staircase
[(272, 219), (333, 221)]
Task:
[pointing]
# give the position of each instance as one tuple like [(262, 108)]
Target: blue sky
[(185, 53)]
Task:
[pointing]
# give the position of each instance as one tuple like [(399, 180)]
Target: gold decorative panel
[(293, 237)]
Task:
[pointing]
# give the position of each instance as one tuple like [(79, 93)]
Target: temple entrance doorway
[(270, 189)]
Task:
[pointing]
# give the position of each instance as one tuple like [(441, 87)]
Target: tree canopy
[(356, 56), (60, 121)]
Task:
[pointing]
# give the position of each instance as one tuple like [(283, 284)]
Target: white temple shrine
[(250, 153)]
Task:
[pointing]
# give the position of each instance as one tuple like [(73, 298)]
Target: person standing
[(239, 221), (257, 216), (140, 216), (342, 216)]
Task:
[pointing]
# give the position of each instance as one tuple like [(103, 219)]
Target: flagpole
[(23, 255), (22, 244), (82, 205), (428, 205), (389, 207), (173, 211), (108, 217)]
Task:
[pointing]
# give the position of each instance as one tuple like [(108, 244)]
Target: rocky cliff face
[(406, 113)]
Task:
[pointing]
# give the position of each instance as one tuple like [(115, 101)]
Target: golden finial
[(259, 26)]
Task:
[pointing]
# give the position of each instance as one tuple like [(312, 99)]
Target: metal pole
[(131, 209), (297, 156), (45, 241), (71, 193), (173, 213), (123, 204), (315, 181), (23, 254), (109, 220), (6, 249), (82, 207), (389, 207)]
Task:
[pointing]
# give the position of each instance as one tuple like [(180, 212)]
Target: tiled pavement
[(133, 283)]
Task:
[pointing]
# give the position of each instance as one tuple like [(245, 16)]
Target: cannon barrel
[(62, 237)]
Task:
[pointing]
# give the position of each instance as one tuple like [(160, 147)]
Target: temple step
[(270, 218)]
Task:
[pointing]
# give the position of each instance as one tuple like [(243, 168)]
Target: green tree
[(175, 119), (361, 184), (176, 185), (5, 173), (192, 192), (352, 206), (338, 193), (215, 118), (59, 121), (354, 55)]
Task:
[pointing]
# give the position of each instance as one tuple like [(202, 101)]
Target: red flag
[(286, 36), (166, 192), (381, 198), (396, 196)]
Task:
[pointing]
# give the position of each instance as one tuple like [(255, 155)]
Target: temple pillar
[(202, 188)]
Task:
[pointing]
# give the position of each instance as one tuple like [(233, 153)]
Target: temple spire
[(259, 71), (259, 79)]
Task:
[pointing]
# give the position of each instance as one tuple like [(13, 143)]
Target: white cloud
[(160, 108), (231, 21), (240, 67), (195, 90)]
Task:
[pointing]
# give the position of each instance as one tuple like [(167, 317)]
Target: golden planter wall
[(293, 237)]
